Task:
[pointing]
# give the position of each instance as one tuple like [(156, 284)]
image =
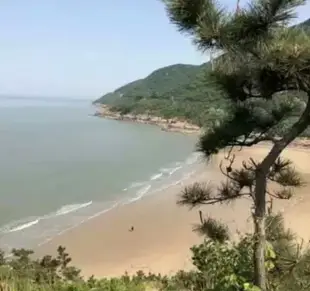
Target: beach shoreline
[(162, 236), (165, 124), (141, 205)]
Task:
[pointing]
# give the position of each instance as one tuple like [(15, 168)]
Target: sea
[(61, 166)]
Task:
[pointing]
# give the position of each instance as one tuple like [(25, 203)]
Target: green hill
[(159, 82), (175, 91)]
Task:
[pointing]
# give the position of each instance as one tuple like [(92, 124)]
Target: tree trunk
[(259, 230), (260, 194)]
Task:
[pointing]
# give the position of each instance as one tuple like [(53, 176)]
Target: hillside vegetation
[(160, 82), (176, 91)]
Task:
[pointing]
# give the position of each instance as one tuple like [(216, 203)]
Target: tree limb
[(279, 146)]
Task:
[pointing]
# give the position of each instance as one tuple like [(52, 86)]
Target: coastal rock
[(173, 124)]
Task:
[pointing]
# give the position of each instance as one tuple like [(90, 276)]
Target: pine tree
[(263, 68)]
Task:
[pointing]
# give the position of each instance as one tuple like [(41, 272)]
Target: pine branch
[(293, 261), (229, 191), (255, 24), (279, 165), (289, 177), (246, 127), (185, 14), (283, 173), (275, 229), (263, 16), (213, 229), (212, 27), (285, 63), (199, 194), (196, 194), (278, 10), (226, 134), (239, 178), (231, 79)]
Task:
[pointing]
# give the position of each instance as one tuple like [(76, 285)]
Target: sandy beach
[(160, 242)]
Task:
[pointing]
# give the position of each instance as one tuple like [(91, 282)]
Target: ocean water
[(61, 166)]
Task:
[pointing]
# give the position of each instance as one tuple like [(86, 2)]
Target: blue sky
[(83, 48)]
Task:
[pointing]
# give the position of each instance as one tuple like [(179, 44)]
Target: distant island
[(179, 97)]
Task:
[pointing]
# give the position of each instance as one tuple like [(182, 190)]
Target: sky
[(85, 48)]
